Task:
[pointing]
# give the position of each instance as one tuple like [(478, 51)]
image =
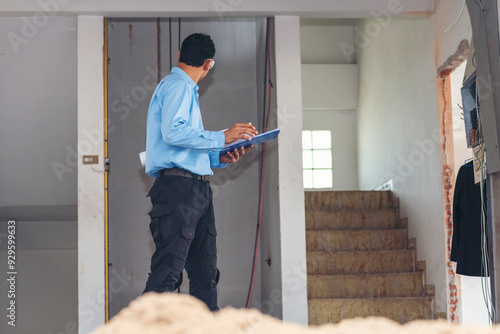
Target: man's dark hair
[(196, 48)]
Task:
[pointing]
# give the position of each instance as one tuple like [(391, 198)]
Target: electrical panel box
[(470, 104), (473, 128)]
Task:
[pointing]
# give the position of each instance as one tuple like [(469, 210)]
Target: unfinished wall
[(451, 26), (398, 130), (38, 174)]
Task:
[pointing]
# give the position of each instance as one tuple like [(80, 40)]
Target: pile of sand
[(172, 313)]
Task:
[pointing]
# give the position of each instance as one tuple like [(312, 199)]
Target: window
[(317, 158)]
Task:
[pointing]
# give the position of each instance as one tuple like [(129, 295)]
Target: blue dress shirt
[(175, 135)]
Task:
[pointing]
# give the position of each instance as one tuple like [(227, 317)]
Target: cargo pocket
[(185, 240), (211, 239), (160, 225), (155, 190)]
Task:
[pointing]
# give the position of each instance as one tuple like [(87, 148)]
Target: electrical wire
[(179, 40), (267, 72), (486, 291), (475, 137), (456, 20), (170, 40)]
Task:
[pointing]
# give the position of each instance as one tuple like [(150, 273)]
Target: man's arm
[(174, 118), (175, 131)]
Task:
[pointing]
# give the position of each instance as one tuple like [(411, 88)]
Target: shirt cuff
[(214, 159)]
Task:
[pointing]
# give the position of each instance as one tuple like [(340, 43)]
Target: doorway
[(139, 52)]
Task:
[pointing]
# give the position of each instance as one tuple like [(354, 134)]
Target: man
[(180, 154)]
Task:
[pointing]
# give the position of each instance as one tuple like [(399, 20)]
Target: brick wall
[(448, 182)]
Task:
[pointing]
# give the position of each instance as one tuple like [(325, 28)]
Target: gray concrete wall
[(398, 132), (38, 104), (227, 95), (46, 280), (38, 171)]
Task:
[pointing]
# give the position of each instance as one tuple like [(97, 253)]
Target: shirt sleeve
[(176, 104), (214, 159)]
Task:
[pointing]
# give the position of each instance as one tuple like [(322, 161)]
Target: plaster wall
[(398, 132)]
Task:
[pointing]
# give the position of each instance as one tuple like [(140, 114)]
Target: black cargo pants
[(183, 230)]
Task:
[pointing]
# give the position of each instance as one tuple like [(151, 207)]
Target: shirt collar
[(186, 77)]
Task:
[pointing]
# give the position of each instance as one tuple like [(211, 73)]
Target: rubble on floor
[(174, 313)]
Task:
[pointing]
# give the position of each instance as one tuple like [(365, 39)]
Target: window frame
[(312, 168)]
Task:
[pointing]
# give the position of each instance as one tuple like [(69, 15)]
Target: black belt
[(183, 172)]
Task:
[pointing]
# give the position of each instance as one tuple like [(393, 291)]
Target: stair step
[(348, 199), (441, 315), (402, 309), (324, 263), (365, 285), (359, 240), (353, 219)]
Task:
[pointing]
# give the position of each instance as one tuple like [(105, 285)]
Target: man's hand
[(234, 156), (240, 131)]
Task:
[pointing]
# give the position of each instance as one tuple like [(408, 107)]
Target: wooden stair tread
[(360, 261)]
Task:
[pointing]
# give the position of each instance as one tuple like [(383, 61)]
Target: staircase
[(360, 262)]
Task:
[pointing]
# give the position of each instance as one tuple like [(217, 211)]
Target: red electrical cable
[(259, 222)]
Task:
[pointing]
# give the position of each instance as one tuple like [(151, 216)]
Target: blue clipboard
[(263, 137)]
